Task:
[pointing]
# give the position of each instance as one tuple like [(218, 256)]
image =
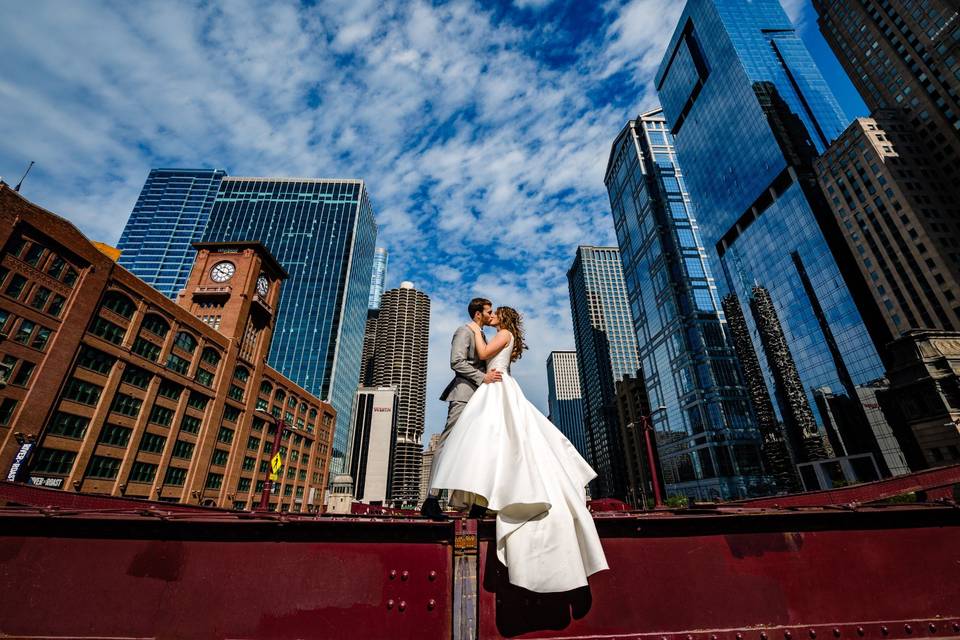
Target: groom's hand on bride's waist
[(492, 376)]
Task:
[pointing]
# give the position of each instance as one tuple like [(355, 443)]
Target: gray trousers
[(454, 409)]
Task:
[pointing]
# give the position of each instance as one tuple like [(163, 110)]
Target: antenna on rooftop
[(17, 188)]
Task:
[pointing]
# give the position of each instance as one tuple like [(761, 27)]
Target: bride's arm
[(492, 348)]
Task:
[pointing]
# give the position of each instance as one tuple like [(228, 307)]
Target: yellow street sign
[(274, 477), (276, 463)]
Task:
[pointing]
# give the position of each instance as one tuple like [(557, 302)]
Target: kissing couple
[(499, 454)]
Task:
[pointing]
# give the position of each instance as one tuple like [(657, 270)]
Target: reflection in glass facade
[(706, 436), (564, 400), (750, 111), (606, 351), (169, 216), (324, 234), (378, 279)]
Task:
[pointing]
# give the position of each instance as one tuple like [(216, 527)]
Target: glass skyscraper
[(564, 400), (324, 234), (706, 437), (169, 216), (379, 278), (606, 351), (750, 112)]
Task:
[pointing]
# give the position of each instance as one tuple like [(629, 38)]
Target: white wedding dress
[(504, 450)]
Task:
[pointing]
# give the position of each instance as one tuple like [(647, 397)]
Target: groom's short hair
[(476, 306)]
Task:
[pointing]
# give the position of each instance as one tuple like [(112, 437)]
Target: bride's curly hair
[(512, 321)]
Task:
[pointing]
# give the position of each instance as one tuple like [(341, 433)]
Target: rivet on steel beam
[(433, 575), (956, 626), (932, 627), (389, 604), (404, 575), (884, 630), (393, 574), (836, 632), (739, 636), (763, 635), (908, 628), (431, 604), (689, 637), (812, 633), (860, 631), (713, 636), (787, 635), (403, 605)]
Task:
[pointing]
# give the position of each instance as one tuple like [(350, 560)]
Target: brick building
[(123, 391)]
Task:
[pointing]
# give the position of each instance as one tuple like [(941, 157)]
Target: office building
[(750, 112), (899, 223), (324, 234), (606, 351), (403, 338), (373, 311), (169, 216), (706, 435), (564, 402), (426, 466), (374, 439), (905, 55), (379, 277), (633, 409), (113, 388)]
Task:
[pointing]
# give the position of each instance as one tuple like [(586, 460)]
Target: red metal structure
[(137, 569)]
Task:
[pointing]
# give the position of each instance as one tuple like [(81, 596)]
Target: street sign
[(274, 477), (276, 463)]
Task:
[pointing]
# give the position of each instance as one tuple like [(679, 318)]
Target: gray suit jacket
[(467, 367)]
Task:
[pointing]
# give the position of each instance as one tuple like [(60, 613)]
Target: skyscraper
[(606, 351), (905, 55), (379, 278), (750, 112), (374, 437), (706, 436), (170, 214), (403, 330), (563, 397), (324, 234)]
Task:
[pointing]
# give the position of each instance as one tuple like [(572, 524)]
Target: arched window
[(119, 303), (156, 325), (280, 395), (210, 356), (186, 342), (241, 373), (266, 388)]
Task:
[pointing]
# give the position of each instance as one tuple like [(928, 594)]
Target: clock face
[(222, 271), (263, 285)]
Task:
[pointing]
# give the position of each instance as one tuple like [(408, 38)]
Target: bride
[(503, 450)]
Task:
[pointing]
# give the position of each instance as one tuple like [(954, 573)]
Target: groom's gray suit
[(468, 375)]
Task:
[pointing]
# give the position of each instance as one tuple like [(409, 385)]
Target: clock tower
[(235, 288)]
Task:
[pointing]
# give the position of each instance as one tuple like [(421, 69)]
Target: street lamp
[(268, 481), (651, 439)]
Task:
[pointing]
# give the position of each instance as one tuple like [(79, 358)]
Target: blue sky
[(482, 129)]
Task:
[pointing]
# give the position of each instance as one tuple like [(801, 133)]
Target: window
[(107, 330), (190, 424), (142, 472), (95, 360), (68, 425), (241, 374), (264, 465), (243, 484), (34, 253), (175, 476), (53, 461), (70, 276), (220, 457), (249, 463), (210, 356), (7, 405), (156, 325), (145, 349), (40, 297), (185, 341), (23, 374), (169, 390), (231, 414), (182, 449), (225, 435), (694, 268), (291, 402), (119, 304), (103, 467), (56, 267), (126, 405), (152, 443), (136, 376), (265, 388), (253, 443), (40, 339), (17, 283), (262, 404), (114, 434), (161, 415), (204, 377), (24, 331), (236, 393), (198, 401), (214, 480), (82, 391), (178, 364)]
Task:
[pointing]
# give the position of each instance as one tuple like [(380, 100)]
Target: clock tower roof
[(274, 268)]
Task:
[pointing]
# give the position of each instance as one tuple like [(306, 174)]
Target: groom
[(469, 373)]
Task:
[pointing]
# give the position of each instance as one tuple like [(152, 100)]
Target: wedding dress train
[(507, 452)]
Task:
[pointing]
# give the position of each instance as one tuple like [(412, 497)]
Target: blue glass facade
[(749, 111), (379, 278), (564, 400), (606, 351), (707, 441), (169, 216), (324, 234)]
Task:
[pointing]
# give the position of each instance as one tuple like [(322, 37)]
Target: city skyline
[(282, 123)]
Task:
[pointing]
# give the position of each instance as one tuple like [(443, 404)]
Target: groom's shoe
[(431, 509), (476, 511)]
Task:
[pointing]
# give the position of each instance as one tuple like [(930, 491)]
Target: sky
[(481, 129)]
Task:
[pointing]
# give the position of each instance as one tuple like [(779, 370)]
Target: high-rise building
[(119, 390), (905, 55), (606, 351), (374, 438), (170, 214), (403, 331), (634, 412), (706, 435), (564, 402), (379, 277), (426, 466), (324, 233), (750, 112), (902, 225)]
